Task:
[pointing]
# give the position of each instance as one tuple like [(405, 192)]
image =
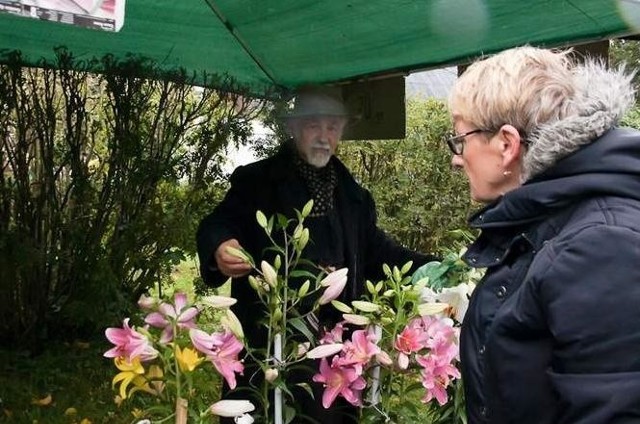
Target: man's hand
[(230, 265)]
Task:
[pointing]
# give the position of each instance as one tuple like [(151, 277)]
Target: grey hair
[(557, 105)]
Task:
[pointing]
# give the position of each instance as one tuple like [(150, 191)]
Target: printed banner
[(106, 15)]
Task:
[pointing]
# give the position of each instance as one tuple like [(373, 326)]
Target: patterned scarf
[(320, 182)]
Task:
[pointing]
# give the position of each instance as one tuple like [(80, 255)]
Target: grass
[(68, 383)]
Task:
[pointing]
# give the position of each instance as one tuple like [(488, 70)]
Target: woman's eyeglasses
[(456, 142)]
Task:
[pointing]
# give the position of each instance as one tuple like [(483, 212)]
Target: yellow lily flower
[(152, 384), (131, 372), (188, 359)]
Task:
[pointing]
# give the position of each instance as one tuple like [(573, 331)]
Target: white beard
[(319, 155), (319, 160)]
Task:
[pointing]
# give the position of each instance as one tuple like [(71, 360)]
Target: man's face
[(317, 137)]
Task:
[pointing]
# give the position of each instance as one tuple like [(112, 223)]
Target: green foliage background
[(104, 179), (419, 197)]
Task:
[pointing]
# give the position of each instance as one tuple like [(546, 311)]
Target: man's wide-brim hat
[(317, 101)]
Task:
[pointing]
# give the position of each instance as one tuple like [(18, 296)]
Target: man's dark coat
[(273, 186)]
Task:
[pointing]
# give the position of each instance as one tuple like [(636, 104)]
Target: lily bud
[(238, 254), (342, 307), (262, 219), (365, 306), (218, 301), (277, 316), (255, 284), (324, 350), (403, 361), (244, 419), (396, 274), (356, 319), (304, 289), (231, 321), (269, 274), (146, 302), (334, 276), (304, 239), (306, 210), (277, 262), (271, 374)]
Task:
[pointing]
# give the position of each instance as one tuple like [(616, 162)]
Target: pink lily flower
[(442, 340), (410, 340), (339, 380), (222, 349), (129, 344), (333, 336), (360, 349), (169, 314), (436, 377)]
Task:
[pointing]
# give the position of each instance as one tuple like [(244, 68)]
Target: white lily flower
[(231, 408), (458, 299), (427, 295)]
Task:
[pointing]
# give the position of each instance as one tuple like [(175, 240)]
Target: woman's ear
[(510, 147)]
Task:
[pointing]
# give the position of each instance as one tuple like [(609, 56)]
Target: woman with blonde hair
[(552, 333)]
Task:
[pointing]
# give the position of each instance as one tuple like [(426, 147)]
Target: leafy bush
[(418, 196), (104, 178)]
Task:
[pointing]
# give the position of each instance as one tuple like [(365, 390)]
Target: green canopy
[(267, 44)]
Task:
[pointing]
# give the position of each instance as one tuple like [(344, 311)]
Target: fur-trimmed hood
[(602, 98)]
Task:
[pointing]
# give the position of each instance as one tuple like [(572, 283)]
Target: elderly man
[(342, 224)]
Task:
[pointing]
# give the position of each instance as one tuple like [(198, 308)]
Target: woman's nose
[(456, 161)]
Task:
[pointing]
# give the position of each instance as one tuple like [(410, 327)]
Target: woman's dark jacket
[(274, 186), (552, 333)]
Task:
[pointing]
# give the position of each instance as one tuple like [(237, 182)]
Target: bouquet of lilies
[(291, 290), (402, 337), (162, 357)]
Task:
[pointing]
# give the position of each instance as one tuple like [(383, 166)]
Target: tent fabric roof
[(267, 44)]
